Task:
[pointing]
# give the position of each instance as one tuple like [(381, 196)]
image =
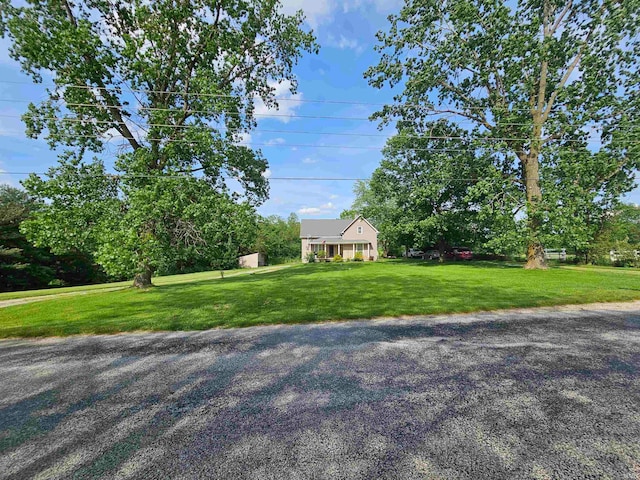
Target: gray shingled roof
[(323, 228)]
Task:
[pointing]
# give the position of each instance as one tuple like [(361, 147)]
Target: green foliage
[(419, 196), (619, 232), (178, 82), (25, 266), (337, 258), (279, 238), (311, 257), (625, 255), (322, 254), (357, 257), (537, 82)]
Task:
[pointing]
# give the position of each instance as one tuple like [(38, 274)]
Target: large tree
[(550, 86), (420, 193), (177, 82)]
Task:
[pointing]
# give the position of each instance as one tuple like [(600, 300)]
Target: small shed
[(253, 260)]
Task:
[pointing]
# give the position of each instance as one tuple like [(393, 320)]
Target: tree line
[(516, 124), (24, 265)]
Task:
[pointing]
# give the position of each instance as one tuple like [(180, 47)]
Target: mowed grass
[(319, 292), (165, 280)]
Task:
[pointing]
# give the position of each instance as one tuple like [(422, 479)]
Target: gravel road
[(540, 394)]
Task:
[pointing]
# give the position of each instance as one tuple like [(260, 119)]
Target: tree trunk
[(535, 250), (143, 277), (441, 250)]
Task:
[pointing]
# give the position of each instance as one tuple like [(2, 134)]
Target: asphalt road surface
[(541, 394)]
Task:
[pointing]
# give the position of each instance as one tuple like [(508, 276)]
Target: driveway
[(541, 394)]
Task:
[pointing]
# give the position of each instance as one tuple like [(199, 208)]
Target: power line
[(178, 110), (110, 175), (278, 99), (350, 179), (301, 145), (309, 132), (309, 145)]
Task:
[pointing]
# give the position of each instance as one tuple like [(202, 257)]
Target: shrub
[(337, 258), (358, 257), (311, 257), (322, 254)]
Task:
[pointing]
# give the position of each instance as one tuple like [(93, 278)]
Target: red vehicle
[(459, 253)]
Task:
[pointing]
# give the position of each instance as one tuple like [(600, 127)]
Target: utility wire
[(187, 176), (178, 110), (279, 99), (298, 145), (126, 175), (309, 132)]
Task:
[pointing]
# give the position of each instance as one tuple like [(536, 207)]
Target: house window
[(360, 247), (360, 230)]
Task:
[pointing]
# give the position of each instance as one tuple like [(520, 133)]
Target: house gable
[(360, 229), (359, 218)]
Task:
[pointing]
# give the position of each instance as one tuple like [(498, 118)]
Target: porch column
[(368, 254), (354, 251)]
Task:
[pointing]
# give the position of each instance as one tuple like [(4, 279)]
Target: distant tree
[(24, 266), (419, 194), (383, 210), (537, 82), (18, 270), (177, 82), (279, 239), (619, 230)]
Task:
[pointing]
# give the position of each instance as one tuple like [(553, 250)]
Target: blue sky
[(346, 33)]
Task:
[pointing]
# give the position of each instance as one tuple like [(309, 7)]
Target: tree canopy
[(278, 238), (24, 266), (177, 83), (420, 193), (546, 88)]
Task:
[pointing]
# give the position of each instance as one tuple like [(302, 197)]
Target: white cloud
[(288, 102), (309, 211), (267, 173), (333, 196), (309, 160), (344, 43), (315, 12), (318, 12), (324, 209), (275, 141)]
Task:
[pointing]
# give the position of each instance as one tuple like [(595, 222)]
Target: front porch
[(347, 249)]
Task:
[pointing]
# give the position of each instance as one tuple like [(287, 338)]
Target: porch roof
[(338, 242)]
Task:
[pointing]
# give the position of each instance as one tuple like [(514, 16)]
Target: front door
[(331, 252)]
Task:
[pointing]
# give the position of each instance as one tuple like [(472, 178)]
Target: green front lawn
[(165, 280), (312, 293)]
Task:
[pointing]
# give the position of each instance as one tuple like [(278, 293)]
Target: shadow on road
[(552, 398)]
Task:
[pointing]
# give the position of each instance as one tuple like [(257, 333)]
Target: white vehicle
[(414, 253), (550, 254), (431, 255), (619, 255)]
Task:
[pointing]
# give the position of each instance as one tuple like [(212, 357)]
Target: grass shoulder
[(314, 293)]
